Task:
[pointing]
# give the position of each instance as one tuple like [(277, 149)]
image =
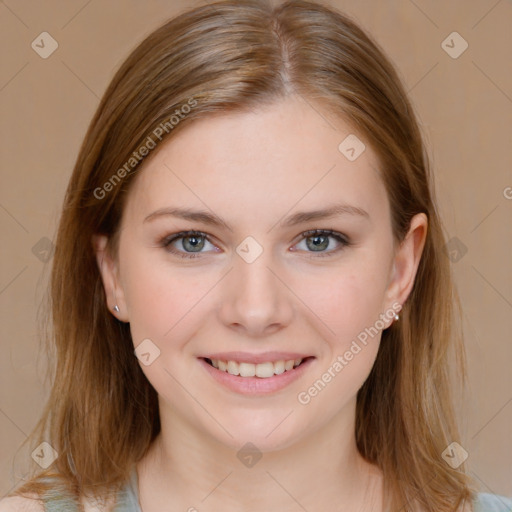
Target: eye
[(317, 240), (192, 243)]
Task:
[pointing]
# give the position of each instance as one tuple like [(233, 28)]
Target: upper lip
[(248, 357)]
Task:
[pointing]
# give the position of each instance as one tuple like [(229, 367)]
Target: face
[(249, 283)]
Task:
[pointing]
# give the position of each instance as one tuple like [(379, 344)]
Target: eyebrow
[(212, 219)]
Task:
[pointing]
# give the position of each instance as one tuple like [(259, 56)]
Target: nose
[(255, 300)]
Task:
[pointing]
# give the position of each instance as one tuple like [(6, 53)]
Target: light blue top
[(485, 502), (128, 501)]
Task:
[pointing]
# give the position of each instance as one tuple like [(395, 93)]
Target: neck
[(189, 470)]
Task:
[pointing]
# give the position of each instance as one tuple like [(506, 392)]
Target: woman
[(251, 304)]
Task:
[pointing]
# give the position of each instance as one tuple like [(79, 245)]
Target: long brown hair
[(102, 413)]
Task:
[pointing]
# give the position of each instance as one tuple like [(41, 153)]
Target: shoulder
[(56, 497), (21, 504), (35, 504), (485, 502)]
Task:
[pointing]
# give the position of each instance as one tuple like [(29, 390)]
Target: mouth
[(256, 374), (263, 370)]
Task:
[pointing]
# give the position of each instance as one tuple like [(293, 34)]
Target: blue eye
[(190, 240), (319, 239), (193, 242)]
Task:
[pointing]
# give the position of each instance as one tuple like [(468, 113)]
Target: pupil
[(196, 242), (317, 242)]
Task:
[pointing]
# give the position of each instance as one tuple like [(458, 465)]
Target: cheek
[(348, 299), (161, 300), (350, 306)]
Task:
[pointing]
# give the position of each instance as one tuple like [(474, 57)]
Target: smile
[(262, 370), (257, 378)]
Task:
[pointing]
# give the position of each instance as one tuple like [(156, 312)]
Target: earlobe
[(407, 259), (109, 275)]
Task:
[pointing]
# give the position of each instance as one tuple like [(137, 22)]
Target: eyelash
[(342, 239)]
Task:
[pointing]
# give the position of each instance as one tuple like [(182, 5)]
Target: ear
[(109, 271), (406, 260)]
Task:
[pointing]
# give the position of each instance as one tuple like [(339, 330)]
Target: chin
[(265, 434)]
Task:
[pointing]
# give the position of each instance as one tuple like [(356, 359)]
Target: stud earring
[(396, 317), (116, 307)]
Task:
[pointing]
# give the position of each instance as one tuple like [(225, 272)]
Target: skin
[(254, 169)]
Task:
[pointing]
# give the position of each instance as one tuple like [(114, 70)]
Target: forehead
[(260, 163)]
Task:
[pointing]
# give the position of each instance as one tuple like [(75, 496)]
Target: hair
[(233, 56)]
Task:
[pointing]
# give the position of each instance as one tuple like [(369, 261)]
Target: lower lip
[(256, 385)]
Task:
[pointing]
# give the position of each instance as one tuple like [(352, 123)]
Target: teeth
[(279, 367), (263, 370), (245, 369), (233, 368)]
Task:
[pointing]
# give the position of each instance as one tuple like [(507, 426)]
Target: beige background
[(465, 107)]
